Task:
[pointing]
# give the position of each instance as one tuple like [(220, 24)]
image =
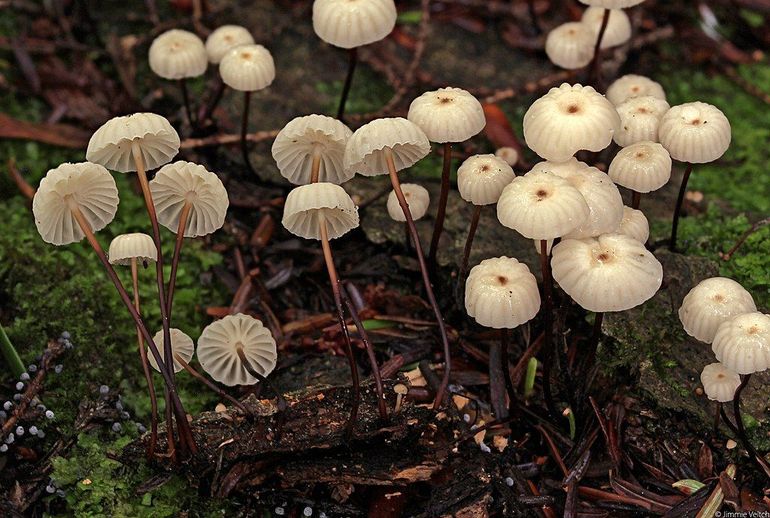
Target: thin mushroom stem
[(678, 207), (184, 215), (440, 393), (510, 387), (548, 352), (497, 383), (214, 102), (717, 411), (755, 456), (533, 16), (469, 243), (438, 226), (596, 62), (315, 168), (219, 392), (594, 343), (281, 401), (145, 365), (334, 280), (186, 99), (352, 62), (727, 421), (636, 200), (245, 131)]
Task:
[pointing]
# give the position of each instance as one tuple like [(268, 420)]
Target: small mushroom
[(612, 4), (570, 45), (719, 382), (640, 119), (634, 225), (508, 154), (417, 197), (181, 344), (401, 390), (712, 302), (618, 30), (631, 86), (225, 38)]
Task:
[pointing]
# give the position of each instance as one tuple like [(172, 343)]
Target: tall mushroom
[(719, 384), (642, 167)]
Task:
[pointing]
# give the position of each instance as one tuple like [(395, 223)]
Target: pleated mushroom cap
[(225, 38), (712, 302), (247, 68), (568, 119), (296, 143), (618, 29), (417, 197), (605, 204), (743, 343), (448, 115), (719, 382), (353, 23), (181, 182), (611, 272), (612, 4), (501, 293), (634, 225), (482, 178), (218, 349), (365, 155), (181, 344), (178, 54), (640, 119), (570, 45), (126, 247), (695, 132), (570, 166), (86, 186), (541, 205), (307, 204), (509, 154), (110, 145), (632, 85), (641, 167)]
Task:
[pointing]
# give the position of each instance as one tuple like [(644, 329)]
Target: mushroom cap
[(632, 85), (364, 153), (295, 144), (567, 119), (641, 167), (178, 54), (126, 247), (110, 145), (640, 119), (611, 272), (448, 115), (90, 187), (482, 178), (743, 343), (218, 349), (353, 23), (509, 154), (612, 4), (247, 68), (719, 382), (695, 132), (417, 198), (181, 344), (634, 225), (225, 38), (605, 204), (570, 45), (501, 293), (306, 204), (712, 302), (567, 167), (180, 182), (618, 29), (541, 205)]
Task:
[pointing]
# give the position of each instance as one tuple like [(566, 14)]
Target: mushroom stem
[(184, 215), (440, 393), (717, 410), (504, 342), (282, 404), (438, 226), (186, 99), (497, 384), (533, 16), (352, 62), (469, 244), (335, 282), (596, 62), (188, 442), (548, 352), (594, 343), (221, 393), (315, 168), (145, 365), (209, 108), (636, 200), (755, 456), (678, 207), (245, 130)]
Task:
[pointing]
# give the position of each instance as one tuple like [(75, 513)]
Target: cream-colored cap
[(611, 272), (695, 132), (743, 343), (570, 166), (612, 4), (570, 45), (178, 54), (110, 145), (181, 345), (224, 38), (353, 23), (501, 293), (568, 119), (618, 29), (247, 68), (365, 155), (509, 154), (640, 119), (181, 182), (448, 115), (308, 205), (126, 247), (632, 85), (482, 178), (712, 302), (634, 225), (86, 186), (641, 167), (305, 137), (417, 197), (605, 204), (218, 349), (719, 382)]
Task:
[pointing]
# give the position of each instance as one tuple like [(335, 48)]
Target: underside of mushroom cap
[(712, 302), (695, 132), (642, 167), (307, 205), (743, 343), (719, 382), (181, 345), (482, 178), (448, 115), (178, 54), (218, 349), (247, 68), (632, 85), (570, 45), (353, 23), (365, 153), (225, 38), (127, 247), (110, 145), (417, 198), (87, 186)]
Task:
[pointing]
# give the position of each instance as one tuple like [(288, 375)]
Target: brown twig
[(225, 139), (24, 186), (755, 227)]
